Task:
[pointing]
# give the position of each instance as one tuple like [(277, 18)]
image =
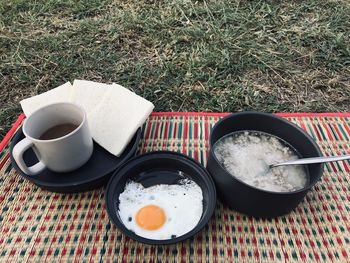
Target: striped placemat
[(36, 225)]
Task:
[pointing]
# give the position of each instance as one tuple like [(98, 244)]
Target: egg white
[(182, 204)]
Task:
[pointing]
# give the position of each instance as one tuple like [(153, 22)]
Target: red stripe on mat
[(21, 117), (9, 134), (282, 114)]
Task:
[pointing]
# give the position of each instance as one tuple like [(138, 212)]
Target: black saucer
[(91, 175)]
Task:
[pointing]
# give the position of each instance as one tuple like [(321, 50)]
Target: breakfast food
[(117, 117), (88, 94), (113, 112), (246, 155), (59, 94), (162, 211)]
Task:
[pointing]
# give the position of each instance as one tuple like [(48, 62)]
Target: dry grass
[(182, 55)]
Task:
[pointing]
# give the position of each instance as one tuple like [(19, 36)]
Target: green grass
[(182, 55)]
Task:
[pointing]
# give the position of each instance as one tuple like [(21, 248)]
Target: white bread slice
[(116, 119), (60, 94), (88, 94)]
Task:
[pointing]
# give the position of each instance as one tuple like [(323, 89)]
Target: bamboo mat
[(38, 226)]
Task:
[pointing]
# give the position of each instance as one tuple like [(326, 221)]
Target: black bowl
[(248, 199), (154, 168)]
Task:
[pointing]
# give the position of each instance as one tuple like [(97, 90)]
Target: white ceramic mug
[(62, 154)]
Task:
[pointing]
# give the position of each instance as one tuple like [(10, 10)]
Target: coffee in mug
[(58, 131), (60, 137)]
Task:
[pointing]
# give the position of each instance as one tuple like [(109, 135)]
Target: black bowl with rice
[(241, 183)]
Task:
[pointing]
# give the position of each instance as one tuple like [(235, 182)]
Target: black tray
[(91, 175)]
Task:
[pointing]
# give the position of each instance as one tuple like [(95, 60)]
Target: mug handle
[(17, 154)]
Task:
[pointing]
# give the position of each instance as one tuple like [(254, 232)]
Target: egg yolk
[(150, 217)]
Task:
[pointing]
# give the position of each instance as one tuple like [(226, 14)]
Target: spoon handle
[(314, 160)]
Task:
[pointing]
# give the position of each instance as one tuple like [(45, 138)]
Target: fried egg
[(162, 211)]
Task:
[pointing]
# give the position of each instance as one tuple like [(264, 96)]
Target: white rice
[(247, 154)]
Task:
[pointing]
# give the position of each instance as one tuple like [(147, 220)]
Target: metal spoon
[(313, 160)]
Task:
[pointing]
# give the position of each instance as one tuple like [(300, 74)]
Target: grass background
[(214, 55)]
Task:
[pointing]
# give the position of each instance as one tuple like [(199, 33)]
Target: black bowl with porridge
[(242, 145)]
